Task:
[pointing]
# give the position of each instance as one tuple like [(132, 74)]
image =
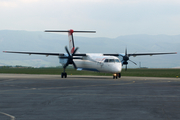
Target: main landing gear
[(64, 74), (116, 75)]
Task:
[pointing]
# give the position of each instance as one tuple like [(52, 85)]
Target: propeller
[(70, 58), (126, 58)]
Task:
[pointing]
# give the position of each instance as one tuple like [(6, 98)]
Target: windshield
[(117, 60), (111, 60)]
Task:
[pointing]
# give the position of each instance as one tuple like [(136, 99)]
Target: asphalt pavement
[(50, 97)]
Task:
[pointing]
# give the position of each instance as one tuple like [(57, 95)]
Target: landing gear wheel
[(64, 75), (115, 76), (119, 75)]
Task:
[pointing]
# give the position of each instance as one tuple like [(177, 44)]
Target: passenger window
[(106, 60)]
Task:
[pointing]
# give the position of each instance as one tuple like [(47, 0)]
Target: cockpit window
[(106, 60), (116, 60), (112, 60)]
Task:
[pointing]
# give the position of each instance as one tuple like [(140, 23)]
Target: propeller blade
[(126, 58), (126, 52), (75, 51), (66, 64), (126, 68), (133, 62), (77, 58), (74, 65), (67, 50)]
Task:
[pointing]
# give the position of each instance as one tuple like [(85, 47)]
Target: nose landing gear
[(116, 75)]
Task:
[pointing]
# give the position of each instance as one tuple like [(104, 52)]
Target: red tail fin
[(71, 41)]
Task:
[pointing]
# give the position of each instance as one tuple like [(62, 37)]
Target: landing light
[(114, 74)]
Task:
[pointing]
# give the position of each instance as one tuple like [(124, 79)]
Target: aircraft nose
[(117, 68)]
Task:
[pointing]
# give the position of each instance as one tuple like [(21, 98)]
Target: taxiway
[(49, 97)]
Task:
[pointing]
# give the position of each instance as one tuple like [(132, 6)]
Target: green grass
[(129, 72)]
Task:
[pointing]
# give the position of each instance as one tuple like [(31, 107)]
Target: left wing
[(47, 54)]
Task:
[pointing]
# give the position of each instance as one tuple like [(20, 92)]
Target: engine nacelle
[(125, 63), (63, 61)]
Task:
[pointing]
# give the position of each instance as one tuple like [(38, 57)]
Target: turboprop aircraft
[(100, 62)]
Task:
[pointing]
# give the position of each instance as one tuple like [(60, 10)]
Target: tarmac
[(50, 97)]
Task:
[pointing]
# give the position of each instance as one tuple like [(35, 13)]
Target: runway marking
[(12, 117), (6, 80)]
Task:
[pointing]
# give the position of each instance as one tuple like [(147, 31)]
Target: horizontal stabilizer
[(72, 31)]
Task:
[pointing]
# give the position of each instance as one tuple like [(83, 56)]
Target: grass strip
[(71, 71)]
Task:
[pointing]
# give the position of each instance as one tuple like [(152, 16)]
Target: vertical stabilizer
[(70, 36), (71, 41)]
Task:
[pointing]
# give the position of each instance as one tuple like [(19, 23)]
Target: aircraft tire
[(65, 75), (62, 75), (119, 75)]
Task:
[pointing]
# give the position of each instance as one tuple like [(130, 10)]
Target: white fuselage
[(98, 62)]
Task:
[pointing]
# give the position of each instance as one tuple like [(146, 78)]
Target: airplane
[(99, 62)]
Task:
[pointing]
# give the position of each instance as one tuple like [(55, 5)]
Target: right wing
[(140, 54)]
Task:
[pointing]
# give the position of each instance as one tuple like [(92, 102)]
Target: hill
[(51, 42)]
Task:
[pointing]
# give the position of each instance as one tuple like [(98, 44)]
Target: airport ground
[(140, 72), (50, 97)]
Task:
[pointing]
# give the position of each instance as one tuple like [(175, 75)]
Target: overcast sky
[(110, 18)]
